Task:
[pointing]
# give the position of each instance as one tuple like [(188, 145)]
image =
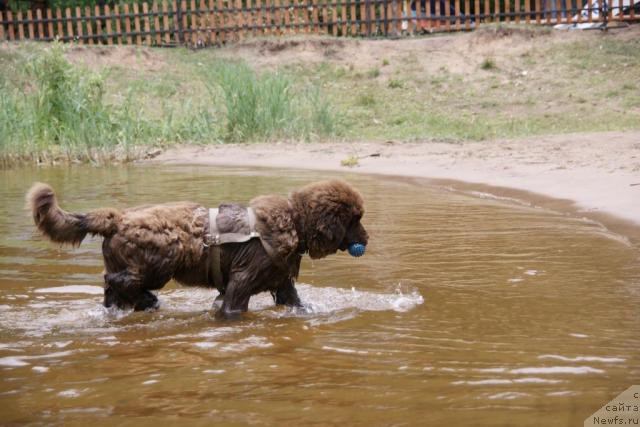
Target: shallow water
[(466, 309)]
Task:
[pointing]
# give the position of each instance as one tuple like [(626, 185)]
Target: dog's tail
[(65, 227)]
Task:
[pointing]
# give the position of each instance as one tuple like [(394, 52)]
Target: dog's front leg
[(236, 298), (286, 294)]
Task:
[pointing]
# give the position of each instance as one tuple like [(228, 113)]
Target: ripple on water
[(85, 314)]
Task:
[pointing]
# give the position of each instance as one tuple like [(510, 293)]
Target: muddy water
[(467, 309)]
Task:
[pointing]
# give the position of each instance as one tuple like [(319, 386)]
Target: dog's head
[(330, 213)]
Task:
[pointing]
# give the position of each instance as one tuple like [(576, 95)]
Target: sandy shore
[(597, 175)]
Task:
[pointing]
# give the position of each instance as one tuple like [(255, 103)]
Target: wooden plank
[(325, 16), (107, 24), (193, 21), (220, 21), (147, 24), (447, 14), (50, 27), (118, 22), (516, 9), (59, 25), (527, 9), (558, 12), (296, 11), (307, 9), (30, 28), (352, 18), (127, 24), (389, 20), (487, 10), (507, 10), (457, 11), (87, 19), (10, 30), (436, 23), (414, 24), (363, 27), (99, 24), (185, 21), (314, 17), (79, 25), (20, 26), (165, 22), (1, 26), (334, 17), (212, 22), (136, 23), (240, 21), (496, 10), (258, 18), (40, 26), (285, 6), (538, 12), (467, 14), (202, 24), (67, 13), (428, 21), (303, 16), (344, 18), (50, 34), (632, 13), (476, 12), (268, 29), (156, 22)]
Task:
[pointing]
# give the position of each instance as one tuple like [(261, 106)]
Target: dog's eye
[(356, 218)]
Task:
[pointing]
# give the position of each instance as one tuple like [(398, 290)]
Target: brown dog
[(146, 246)]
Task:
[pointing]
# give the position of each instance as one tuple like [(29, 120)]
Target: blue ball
[(356, 249)]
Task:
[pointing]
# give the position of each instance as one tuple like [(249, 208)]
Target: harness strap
[(216, 239)]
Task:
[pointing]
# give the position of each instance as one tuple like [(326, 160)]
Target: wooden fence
[(207, 22)]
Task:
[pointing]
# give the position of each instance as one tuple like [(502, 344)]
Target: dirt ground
[(597, 175)]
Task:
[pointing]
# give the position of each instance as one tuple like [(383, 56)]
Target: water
[(466, 309)]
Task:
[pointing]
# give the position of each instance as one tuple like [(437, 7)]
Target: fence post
[(49, 24), (30, 25), (156, 22), (79, 25), (40, 25), (1, 27)]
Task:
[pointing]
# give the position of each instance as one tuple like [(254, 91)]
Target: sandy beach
[(596, 175)]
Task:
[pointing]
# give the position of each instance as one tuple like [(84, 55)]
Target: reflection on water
[(467, 309)]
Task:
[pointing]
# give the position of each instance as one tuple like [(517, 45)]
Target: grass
[(64, 111), (488, 64), (53, 108)]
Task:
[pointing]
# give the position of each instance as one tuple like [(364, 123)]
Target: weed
[(396, 84), (488, 64), (373, 73), (350, 161)]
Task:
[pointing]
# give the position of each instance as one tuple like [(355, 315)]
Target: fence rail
[(207, 22)]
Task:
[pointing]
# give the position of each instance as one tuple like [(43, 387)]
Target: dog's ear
[(331, 221), (327, 209)]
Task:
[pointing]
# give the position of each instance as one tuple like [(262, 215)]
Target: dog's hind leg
[(124, 289)]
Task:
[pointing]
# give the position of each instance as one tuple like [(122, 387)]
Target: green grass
[(53, 108), (61, 110)]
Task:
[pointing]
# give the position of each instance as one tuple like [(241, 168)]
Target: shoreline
[(595, 175)]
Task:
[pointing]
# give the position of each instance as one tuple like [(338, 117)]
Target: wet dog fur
[(146, 246)]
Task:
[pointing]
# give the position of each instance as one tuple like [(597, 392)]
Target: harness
[(215, 239)]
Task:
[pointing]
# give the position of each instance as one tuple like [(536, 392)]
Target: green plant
[(488, 64), (373, 73), (268, 106), (350, 161), (396, 84)]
